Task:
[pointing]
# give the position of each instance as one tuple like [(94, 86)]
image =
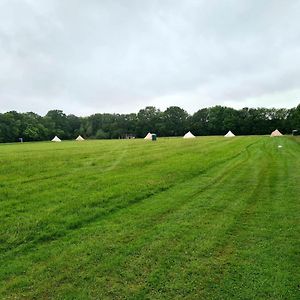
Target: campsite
[(149, 150), (201, 218)]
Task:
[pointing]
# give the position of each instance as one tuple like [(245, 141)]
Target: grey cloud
[(119, 56)]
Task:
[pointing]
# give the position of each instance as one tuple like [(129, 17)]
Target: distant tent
[(229, 134), (148, 136), (56, 139), (80, 138), (188, 135), (276, 133)]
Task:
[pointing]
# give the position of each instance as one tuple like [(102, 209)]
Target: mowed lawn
[(207, 218)]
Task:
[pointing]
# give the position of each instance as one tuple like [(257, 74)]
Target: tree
[(10, 125), (74, 125), (175, 120), (199, 122), (293, 118), (32, 127), (216, 116), (148, 120), (57, 123)]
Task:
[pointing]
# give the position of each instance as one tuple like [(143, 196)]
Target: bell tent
[(229, 134), (56, 139), (80, 138), (148, 136), (276, 133), (188, 135)]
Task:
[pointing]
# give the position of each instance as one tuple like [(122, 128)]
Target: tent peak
[(79, 138), (148, 136), (276, 133), (229, 134), (56, 139), (188, 135)]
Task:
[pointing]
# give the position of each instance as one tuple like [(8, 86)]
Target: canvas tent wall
[(276, 133), (56, 139), (229, 134), (148, 136), (188, 135), (80, 138)]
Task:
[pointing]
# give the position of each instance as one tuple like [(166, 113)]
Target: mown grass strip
[(230, 230)]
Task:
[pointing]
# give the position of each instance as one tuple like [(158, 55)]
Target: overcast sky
[(88, 56)]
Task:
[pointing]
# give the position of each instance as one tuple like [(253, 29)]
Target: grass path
[(202, 219)]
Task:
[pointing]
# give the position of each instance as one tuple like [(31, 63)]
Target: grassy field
[(209, 218)]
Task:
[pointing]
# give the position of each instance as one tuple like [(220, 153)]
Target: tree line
[(174, 121)]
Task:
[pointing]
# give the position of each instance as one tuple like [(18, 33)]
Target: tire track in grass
[(26, 248), (163, 219), (221, 260), (175, 238), (243, 261), (167, 215), (205, 253), (154, 281), (44, 180), (222, 254), (102, 215), (148, 152)]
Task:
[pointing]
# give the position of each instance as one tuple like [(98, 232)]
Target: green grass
[(209, 218)]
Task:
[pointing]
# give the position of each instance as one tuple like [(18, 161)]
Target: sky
[(96, 56)]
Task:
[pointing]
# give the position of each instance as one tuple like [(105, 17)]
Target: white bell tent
[(276, 133), (148, 136), (56, 139), (189, 135), (229, 134), (80, 138)]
